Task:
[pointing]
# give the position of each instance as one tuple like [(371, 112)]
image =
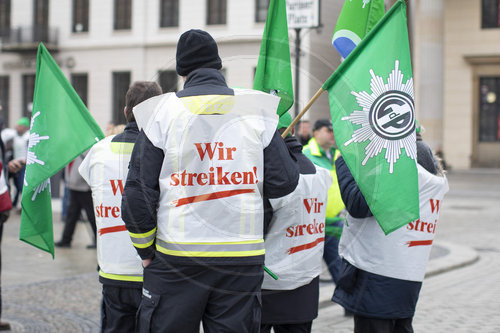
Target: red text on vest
[(313, 203), (111, 211), (116, 184), (434, 206), (302, 229), (215, 175), (216, 148)]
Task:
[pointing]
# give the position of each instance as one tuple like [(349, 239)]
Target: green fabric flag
[(61, 129), (356, 19), (372, 109), (274, 72)]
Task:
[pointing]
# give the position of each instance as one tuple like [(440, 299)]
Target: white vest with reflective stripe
[(295, 240), (404, 253), (211, 181), (105, 169)]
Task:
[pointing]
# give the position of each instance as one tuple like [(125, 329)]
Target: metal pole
[(297, 70)]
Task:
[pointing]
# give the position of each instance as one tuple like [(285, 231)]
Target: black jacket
[(142, 192)]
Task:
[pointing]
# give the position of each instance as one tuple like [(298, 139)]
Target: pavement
[(461, 292)]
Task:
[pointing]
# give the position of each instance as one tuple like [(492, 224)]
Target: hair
[(139, 92)]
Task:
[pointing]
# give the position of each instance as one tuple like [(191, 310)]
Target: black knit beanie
[(196, 49)]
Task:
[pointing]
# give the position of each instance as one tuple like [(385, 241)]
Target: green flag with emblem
[(274, 72), (372, 109), (61, 129)]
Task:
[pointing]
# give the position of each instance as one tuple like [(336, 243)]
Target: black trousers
[(287, 328), (119, 309), (374, 325), (177, 298), (78, 200)]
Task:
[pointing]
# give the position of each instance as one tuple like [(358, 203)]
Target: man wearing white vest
[(120, 268), (382, 275), (294, 247), (193, 200)]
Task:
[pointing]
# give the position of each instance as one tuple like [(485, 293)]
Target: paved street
[(62, 295)]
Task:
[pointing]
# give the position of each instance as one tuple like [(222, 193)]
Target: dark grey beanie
[(196, 49)]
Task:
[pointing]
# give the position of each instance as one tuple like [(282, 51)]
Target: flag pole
[(304, 110)]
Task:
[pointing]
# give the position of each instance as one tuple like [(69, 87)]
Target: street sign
[(302, 13)]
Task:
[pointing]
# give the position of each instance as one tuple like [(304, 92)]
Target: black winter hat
[(196, 49), (322, 123)]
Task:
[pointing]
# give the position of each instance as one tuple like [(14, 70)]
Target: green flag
[(355, 21), (274, 73), (61, 129), (372, 109)]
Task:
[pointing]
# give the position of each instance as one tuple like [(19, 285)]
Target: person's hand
[(15, 165), (146, 262)]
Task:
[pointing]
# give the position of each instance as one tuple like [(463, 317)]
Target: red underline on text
[(112, 229), (209, 196), (419, 243), (307, 246)]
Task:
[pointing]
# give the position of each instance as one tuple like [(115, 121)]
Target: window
[(490, 14), (41, 20), (28, 91), (216, 11), (261, 7), (79, 83), (169, 13), (121, 83), (4, 99), (80, 16), (123, 14), (167, 81), (4, 18), (489, 109)]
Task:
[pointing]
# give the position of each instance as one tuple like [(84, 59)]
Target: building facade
[(103, 46), (456, 62)]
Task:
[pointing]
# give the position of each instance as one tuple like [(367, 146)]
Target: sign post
[(301, 14)]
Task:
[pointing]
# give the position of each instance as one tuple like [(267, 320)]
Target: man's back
[(193, 197)]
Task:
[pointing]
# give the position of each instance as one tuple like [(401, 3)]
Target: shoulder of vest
[(104, 141), (314, 147)]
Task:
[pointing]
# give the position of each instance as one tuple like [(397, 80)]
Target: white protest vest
[(404, 253), (211, 180), (105, 169), (295, 241)]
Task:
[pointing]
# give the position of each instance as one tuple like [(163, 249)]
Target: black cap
[(196, 49), (322, 123)]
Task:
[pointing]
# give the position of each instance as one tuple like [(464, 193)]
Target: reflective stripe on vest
[(219, 249), (121, 147), (143, 240), (120, 277)]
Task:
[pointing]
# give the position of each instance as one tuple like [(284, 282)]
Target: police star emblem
[(32, 158), (387, 118)]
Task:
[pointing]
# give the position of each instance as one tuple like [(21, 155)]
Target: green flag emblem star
[(387, 118)]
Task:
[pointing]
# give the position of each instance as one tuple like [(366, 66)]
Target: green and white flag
[(274, 72), (61, 129), (372, 109), (355, 21)]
